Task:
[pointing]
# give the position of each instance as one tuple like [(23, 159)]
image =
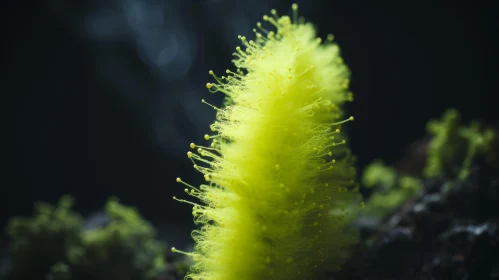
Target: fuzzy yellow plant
[(279, 173)]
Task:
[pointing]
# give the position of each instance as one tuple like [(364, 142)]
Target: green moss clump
[(44, 239), (59, 271), (446, 145), (377, 173), (127, 245), (454, 146), (482, 142), (54, 245), (391, 190)]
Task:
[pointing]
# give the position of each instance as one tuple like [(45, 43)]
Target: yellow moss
[(278, 170)]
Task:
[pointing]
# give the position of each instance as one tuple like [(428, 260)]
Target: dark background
[(103, 97)]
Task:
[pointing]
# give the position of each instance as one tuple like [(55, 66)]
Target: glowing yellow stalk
[(278, 168)]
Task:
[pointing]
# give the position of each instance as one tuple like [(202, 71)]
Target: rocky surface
[(451, 231)]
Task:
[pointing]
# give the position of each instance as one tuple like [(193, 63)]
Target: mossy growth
[(127, 245), (42, 240), (454, 146), (53, 244), (280, 191), (59, 271), (392, 189)]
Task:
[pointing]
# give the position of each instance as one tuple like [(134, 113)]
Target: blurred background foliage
[(55, 243)]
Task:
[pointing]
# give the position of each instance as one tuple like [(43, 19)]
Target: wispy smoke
[(148, 51)]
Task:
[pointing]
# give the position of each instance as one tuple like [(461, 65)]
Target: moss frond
[(279, 174)]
